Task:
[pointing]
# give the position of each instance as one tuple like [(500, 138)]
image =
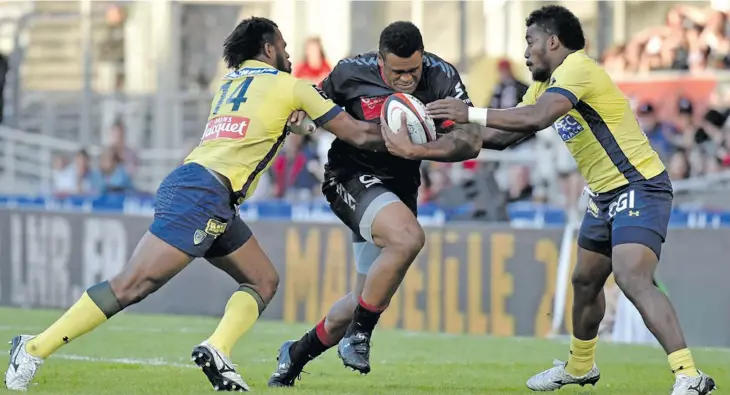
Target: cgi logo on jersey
[(225, 127), (568, 127), (372, 106)]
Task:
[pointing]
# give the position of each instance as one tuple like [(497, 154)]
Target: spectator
[(64, 176), (314, 66), (686, 125), (692, 38), (111, 177), (711, 141), (614, 60), (661, 134), (434, 179), (72, 178), (509, 91), (520, 187), (679, 168), (296, 170), (119, 145)]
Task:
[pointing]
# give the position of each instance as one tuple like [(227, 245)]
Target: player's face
[(279, 55), (401, 74), (536, 53)]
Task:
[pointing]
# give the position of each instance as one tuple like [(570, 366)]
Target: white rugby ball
[(421, 128)]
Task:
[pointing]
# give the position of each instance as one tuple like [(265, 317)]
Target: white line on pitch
[(125, 361)]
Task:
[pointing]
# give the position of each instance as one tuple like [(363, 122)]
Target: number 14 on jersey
[(237, 97)]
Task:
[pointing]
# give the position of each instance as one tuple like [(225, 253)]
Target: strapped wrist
[(477, 115)]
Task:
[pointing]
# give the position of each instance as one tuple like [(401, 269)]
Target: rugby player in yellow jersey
[(195, 207), (631, 195)]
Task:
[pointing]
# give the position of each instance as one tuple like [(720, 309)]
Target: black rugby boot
[(354, 348), (287, 371), (354, 351), (293, 356)]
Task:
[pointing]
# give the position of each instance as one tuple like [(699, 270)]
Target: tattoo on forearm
[(498, 139), (462, 143)]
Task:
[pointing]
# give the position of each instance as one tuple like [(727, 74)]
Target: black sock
[(307, 348), (364, 320)]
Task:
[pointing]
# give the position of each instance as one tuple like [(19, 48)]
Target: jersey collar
[(256, 64)]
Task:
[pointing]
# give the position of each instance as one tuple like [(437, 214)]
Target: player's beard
[(541, 74), (282, 64)]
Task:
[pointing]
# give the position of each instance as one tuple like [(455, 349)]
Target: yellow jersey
[(247, 121), (600, 131)]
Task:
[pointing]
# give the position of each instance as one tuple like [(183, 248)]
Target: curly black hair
[(558, 20), (247, 40), (401, 38)]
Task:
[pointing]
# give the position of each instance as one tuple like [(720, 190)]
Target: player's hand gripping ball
[(300, 123), (421, 128), (449, 108)]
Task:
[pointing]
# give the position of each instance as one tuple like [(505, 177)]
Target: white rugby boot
[(22, 366), (218, 368), (556, 378), (699, 385)]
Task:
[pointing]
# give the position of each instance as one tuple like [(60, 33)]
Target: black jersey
[(356, 84)]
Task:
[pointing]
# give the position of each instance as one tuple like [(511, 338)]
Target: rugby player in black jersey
[(374, 193)]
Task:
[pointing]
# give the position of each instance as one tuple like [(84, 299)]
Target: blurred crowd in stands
[(112, 173), (690, 143), (694, 38)]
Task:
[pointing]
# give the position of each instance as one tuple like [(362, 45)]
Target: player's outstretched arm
[(328, 115), (526, 119), (462, 142), (363, 135), (496, 139)]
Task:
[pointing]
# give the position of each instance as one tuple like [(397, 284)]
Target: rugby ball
[(421, 128)]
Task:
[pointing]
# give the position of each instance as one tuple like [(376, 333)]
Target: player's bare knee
[(632, 279), (586, 283), (267, 286), (408, 240), (133, 289), (590, 275)]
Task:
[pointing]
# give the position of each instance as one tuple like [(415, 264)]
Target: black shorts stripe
[(262, 165), (608, 142)]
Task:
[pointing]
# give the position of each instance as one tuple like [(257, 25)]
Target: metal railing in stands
[(26, 161), (58, 114)]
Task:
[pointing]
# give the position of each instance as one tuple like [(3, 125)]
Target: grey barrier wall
[(468, 279)]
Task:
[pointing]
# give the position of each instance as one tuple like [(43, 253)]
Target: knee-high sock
[(242, 310), (93, 308)]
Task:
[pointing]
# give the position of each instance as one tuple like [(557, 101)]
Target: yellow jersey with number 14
[(600, 131), (247, 120)]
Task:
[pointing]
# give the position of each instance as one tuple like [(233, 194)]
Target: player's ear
[(269, 50), (553, 42), (380, 59)]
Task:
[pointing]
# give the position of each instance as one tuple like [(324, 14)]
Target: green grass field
[(140, 354)]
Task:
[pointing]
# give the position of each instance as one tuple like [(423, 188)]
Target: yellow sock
[(82, 317), (582, 355), (242, 311), (681, 362)]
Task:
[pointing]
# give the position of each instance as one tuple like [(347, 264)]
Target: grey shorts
[(365, 255), (357, 200)]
